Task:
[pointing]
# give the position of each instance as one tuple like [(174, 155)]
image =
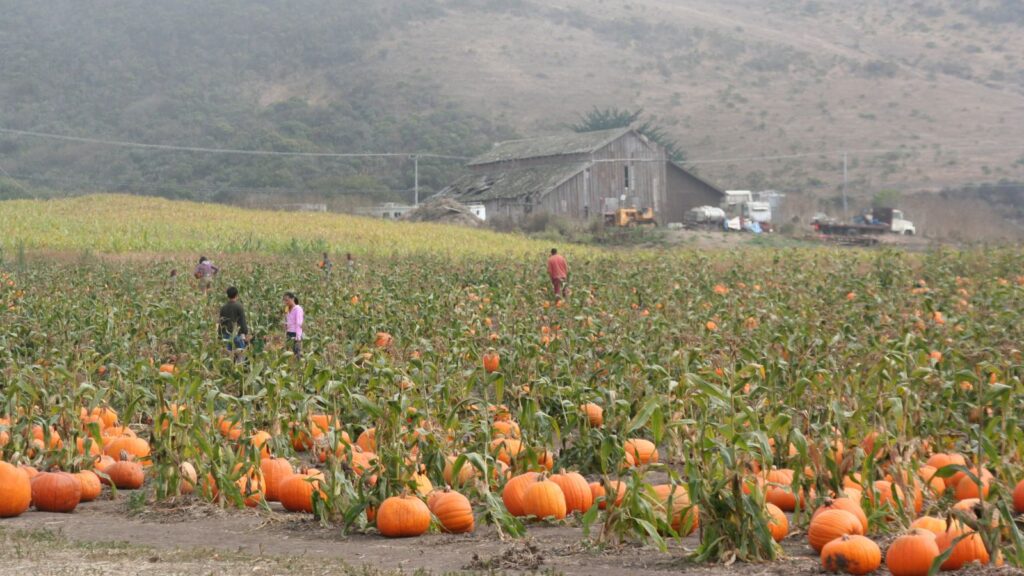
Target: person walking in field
[(326, 265), (558, 270), (231, 325), (204, 273), (294, 316)]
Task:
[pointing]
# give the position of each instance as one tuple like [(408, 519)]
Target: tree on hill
[(614, 117)]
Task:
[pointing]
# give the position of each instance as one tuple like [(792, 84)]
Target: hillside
[(924, 95)]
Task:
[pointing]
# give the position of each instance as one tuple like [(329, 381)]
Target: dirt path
[(202, 531), (102, 538)]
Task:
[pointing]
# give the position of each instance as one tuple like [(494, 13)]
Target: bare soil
[(104, 537)]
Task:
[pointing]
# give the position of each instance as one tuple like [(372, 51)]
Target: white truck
[(876, 221)]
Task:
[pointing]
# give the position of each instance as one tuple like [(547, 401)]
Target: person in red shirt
[(558, 270)]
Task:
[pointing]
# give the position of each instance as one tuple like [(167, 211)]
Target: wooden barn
[(572, 174)]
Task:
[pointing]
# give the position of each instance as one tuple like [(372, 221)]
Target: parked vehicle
[(877, 221), (704, 216)]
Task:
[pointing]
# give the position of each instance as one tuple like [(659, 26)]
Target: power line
[(196, 149)]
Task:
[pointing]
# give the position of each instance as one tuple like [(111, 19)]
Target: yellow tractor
[(624, 214)]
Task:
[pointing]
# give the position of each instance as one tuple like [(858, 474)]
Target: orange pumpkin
[(492, 361), (640, 452), (966, 488), (594, 414), (136, 448), (832, 524), (851, 555), (514, 492), (383, 340), (544, 499), (15, 490), (452, 510), (56, 492), (402, 517), (505, 428), (600, 495), (229, 429), (505, 449), (126, 474), (295, 491), (261, 441), (576, 491), (91, 486), (367, 440), (779, 489), (912, 554), (935, 484), (1018, 497), (778, 524), (683, 516), (970, 549), (274, 470), (931, 524), (941, 460), (847, 504)]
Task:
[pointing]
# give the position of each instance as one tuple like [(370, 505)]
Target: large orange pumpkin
[(1018, 497), (402, 517), (91, 486), (832, 524), (367, 440), (778, 524), (851, 555), (942, 460), (126, 474), (640, 451), (56, 492), (847, 504), (967, 488), (683, 516), (295, 492), (779, 489), (136, 448), (578, 497), (600, 495), (544, 499), (275, 470), (930, 523), (594, 414), (515, 491), (261, 441), (15, 490), (970, 549), (912, 554), (505, 449), (452, 510)]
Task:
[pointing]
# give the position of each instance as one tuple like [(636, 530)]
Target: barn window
[(627, 177)]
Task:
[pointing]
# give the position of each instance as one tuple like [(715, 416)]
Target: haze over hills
[(923, 95)]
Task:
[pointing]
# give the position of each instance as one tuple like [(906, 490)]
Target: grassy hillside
[(118, 224), (926, 95)]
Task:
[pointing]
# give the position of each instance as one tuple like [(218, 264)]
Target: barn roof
[(547, 146), (513, 183), (684, 170)]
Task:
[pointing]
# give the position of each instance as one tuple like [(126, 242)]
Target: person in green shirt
[(231, 326)]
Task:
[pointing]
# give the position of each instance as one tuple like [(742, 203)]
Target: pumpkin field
[(783, 411)]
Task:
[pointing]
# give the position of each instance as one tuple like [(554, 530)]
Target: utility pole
[(416, 179), (846, 215)]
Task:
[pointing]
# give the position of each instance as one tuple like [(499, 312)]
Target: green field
[(758, 376)]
